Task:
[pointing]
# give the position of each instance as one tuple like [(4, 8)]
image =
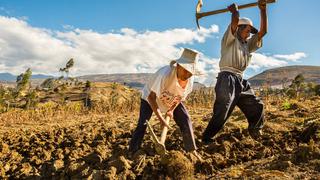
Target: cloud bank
[(124, 51)]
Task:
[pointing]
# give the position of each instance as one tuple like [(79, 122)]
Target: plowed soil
[(94, 146)]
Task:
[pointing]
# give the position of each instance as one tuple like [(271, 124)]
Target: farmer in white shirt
[(231, 89), (164, 93)]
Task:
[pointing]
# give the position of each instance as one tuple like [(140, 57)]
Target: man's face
[(182, 73), (245, 32)]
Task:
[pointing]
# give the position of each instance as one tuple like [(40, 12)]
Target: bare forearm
[(263, 18), (154, 106), (233, 8), (234, 21)]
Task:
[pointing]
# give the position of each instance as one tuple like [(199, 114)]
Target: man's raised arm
[(263, 19), (233, 8)]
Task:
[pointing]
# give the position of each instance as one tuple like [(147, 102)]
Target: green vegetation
[(286, 105), (297, 89)]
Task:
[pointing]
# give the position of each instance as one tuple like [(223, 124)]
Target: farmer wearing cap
[(231, 89), (164, 93)]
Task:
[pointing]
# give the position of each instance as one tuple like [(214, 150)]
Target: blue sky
[(292, 37)]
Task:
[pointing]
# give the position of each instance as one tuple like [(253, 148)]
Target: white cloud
[(22, 46), (210, 68), (259, 61), (125, 51), (262, 61), (68, 27), (291, 57)]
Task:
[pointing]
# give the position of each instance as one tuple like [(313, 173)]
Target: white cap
[(189, 60)]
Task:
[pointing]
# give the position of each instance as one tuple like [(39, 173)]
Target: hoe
[(200, 15), (159, 145)]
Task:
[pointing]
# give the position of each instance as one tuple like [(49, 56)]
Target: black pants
[(180, 116), (232, 90)]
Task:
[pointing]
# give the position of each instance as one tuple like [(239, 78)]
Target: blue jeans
[(232, 90), (180, 116)]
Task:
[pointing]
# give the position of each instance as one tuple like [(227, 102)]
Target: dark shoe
[(255, 133), (206, 141)]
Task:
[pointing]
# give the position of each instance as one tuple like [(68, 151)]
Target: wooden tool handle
[(153, 135), (164, 131), (200, 15)]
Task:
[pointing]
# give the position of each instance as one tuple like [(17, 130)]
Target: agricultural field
[(63, 137)]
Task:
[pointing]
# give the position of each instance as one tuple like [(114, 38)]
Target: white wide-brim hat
[(247, 21), (189, 60)]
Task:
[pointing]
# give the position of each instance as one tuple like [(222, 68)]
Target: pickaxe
[(199, 14), (159, 145)]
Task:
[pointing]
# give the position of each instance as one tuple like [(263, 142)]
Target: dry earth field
[(70, 141)]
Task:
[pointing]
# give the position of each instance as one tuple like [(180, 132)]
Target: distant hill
[(10, 77), (9, 80), (7, 77), (274, 77), (135, 80), (284, 75)]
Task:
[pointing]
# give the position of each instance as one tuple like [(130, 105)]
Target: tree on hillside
[(310, 89), (23, 82), (297, 85), (69, 65), (298, 80), (48, 83)]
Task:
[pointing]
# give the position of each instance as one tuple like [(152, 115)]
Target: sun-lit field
[(69, 140), (73, 74)]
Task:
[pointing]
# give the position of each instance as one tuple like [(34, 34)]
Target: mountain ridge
[(283, 76), (275, 77)]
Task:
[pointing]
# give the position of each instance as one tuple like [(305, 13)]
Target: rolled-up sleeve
[(155, 83), (228, 37), (254, 43)]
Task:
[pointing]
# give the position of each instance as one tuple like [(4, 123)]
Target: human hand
[(170, 114), (262, 4), (164, 123), (233, 8)]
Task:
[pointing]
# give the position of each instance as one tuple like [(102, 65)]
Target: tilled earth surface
[(95, 147)]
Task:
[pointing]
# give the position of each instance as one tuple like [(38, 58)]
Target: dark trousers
[(180, 116), (232, 90)]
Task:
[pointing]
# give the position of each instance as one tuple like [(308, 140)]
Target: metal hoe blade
[(159, 145)]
